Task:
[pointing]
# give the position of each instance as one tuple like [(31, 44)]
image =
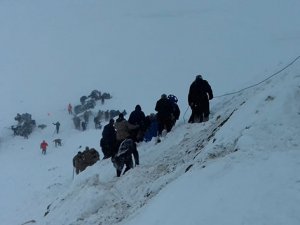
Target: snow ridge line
[(268, 78)]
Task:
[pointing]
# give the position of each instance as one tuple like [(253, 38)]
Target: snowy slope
[(240, 167)]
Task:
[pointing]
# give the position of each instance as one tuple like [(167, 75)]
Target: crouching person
[(124, 157)]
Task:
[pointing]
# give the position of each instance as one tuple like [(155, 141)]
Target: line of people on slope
[(119, 137)]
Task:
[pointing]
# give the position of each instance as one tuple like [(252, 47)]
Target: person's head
[(121, 116), (138, 108), (111, 121), (163, 96), (199, 77)]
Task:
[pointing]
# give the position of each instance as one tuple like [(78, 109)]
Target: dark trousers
[(200, 113)]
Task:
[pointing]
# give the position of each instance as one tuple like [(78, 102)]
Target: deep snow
[(241, 167)]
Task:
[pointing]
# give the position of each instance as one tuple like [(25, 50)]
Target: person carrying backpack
[(175, 109), (199, 95), (124, 157)]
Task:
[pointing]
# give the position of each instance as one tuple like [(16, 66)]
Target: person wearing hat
[(200, 93), (164, 110)]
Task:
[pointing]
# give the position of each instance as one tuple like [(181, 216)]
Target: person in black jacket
[(176, 111), (198, 98), (137, 117), (164, 114), (108, 140), (57, 125)]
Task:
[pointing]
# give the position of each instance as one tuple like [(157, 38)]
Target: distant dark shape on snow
[(95, 94), (42, 126), (88, 104), (25, 125), (84, 159), (57, 142)]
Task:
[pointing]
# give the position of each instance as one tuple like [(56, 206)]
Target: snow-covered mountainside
[(240, 167)]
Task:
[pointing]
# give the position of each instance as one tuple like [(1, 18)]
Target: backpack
[(173, 98)]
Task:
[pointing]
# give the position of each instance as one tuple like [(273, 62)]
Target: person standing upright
[(44, 146), (198, 98), (137, 117), (70, 110), (57, 125), (109, 140), (164, 110)]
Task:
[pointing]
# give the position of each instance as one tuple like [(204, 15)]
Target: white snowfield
[(239, 168)]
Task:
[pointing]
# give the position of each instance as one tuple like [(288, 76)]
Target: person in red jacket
[(43, 146)]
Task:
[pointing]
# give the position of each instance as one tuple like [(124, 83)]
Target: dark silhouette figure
[(108, 140), (137, 117), (57, 142), (199, 95), (57, 125), (175, 109), (164, 114)]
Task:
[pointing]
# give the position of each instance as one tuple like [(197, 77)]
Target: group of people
[(118, 143), (119, 137), (57, 141)]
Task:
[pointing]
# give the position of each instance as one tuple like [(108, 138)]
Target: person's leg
[(129, 164), (191, 119)]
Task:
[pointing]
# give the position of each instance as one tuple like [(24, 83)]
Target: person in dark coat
[(108, 140), (57, 125), (137, 117), (198, 98), (175, 109), (124, 156), (164, 114)]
